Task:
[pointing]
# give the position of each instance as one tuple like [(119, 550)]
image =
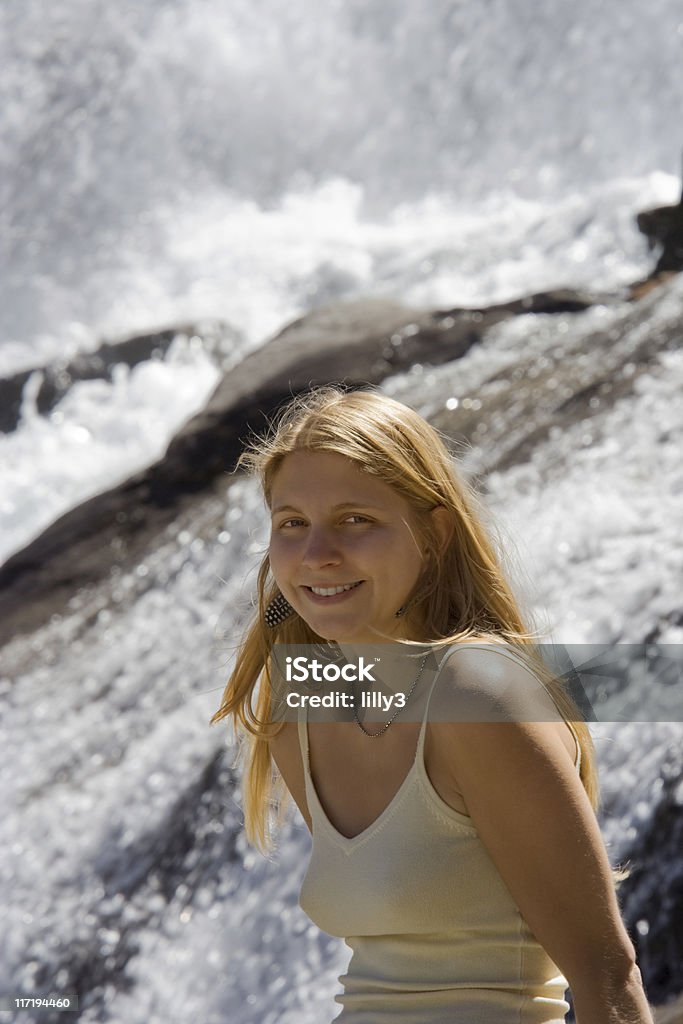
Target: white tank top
[(436, 937)]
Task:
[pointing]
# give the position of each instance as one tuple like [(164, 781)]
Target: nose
[(321, 549)]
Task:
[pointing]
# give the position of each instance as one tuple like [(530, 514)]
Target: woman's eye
[(356, 517)]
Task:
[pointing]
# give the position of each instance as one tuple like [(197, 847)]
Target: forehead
[(329, 478)]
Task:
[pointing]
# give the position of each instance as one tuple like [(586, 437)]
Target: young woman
[(460, 859)]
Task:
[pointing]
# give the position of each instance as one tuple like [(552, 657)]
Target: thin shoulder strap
[(303, 739), (425, 717), (446, 656)]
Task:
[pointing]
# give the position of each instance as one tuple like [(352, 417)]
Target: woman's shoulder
[(493, 679), (486, 655)]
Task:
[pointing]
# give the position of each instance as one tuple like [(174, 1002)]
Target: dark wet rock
[(559, 300), (663, 228), (656, 882), (56, 379), (559, 389), (186, 846)]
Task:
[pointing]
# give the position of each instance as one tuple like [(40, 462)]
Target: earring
[(407, 606), (277, 611)]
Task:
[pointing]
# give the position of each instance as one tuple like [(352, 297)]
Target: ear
[(443, 526)]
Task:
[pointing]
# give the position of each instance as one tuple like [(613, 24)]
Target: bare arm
[(532, 814)]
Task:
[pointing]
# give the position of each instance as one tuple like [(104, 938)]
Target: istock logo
[(303, 669)]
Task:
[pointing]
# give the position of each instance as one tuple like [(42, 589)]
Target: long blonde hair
[(465, 597)]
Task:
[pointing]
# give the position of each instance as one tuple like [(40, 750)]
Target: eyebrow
[(335, 508)]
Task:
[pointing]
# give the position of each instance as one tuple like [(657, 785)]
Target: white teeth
[(329, 591)]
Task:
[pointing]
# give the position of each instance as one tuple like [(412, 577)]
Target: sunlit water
[(176, 159)]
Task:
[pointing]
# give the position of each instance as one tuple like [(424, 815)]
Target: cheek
[(282, 559), (410, 565)]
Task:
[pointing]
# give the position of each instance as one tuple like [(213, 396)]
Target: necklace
[(374, 735)]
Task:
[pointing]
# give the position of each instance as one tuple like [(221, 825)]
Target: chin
[(327, 634), (326, 630), (337, 634)]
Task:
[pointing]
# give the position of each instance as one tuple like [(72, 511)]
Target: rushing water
[(176, 159), (182, 161)]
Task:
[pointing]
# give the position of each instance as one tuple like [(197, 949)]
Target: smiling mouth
[(333, 591)]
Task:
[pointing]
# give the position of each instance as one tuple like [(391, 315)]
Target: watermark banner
[(497, 682)]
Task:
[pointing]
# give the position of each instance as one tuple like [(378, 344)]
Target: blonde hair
[(466, 595)]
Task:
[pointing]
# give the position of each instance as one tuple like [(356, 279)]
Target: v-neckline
[(366, 833)]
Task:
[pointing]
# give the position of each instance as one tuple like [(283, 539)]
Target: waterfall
[(227, 168)]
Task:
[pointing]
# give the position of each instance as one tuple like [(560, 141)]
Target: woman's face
[(333, 525)]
